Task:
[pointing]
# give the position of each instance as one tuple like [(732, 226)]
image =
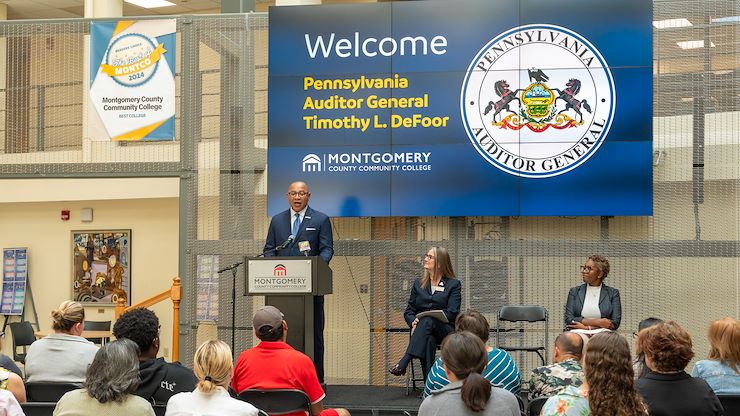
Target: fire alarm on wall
[(65, 215)]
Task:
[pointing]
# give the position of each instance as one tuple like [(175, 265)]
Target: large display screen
[(463, 108)]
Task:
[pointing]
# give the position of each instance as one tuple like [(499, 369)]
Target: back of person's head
[(139, 325), (724, 340), (570, 343), (608, 371), (647, 323), (667, 346), (67, 315), (268, 324), (213, 365), (475, 322), (114, 372), (464, 355)]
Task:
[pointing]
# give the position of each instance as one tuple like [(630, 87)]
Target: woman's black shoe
[(396, 370)]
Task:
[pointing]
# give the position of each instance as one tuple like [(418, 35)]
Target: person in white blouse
[(213, 365), (593, 304)]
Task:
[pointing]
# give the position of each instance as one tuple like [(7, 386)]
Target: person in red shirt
[(273, 364)]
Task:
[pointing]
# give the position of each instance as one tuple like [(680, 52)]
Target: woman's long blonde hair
[(442, 267), (213, 365)]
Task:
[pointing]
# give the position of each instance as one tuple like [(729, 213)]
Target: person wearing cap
[(311, 235), (273, 364)]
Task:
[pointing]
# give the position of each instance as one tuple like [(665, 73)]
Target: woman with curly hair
[(608, 388), (667, 388), (593, 304)]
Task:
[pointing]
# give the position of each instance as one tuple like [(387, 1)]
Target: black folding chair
[(522, 314), (23, 336), (731, 403), (38, 408), (535, 406), (97, 326), (48, 392), (277, 401), (159, 409)]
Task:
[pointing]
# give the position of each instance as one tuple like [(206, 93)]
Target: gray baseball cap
[(267, 316)]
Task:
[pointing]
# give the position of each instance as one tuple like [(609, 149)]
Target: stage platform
[(372, 400)]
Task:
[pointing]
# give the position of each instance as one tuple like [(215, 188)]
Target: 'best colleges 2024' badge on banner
[(133, 80)]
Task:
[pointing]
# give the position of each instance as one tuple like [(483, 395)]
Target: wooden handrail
[(174, 293)]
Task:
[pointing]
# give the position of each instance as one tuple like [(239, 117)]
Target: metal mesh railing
[(682, 263)]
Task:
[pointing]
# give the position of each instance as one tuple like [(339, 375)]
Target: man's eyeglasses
[(299, 193)]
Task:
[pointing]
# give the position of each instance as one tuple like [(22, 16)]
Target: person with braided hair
[(469, 393), (213, 366), (609, 385)]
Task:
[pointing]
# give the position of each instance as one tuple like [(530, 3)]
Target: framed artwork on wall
[(101, 266)]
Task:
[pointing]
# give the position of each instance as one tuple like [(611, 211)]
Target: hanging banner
[(15, 275), (133, 80), (463, 107)]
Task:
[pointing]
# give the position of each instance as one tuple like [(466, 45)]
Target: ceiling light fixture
[(693, 44), (671, 23), (151, 4), (727, 19)]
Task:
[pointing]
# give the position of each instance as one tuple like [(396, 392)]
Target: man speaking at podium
[(298, 231)]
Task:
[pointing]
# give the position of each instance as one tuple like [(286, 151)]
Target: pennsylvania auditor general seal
[(537, 101)]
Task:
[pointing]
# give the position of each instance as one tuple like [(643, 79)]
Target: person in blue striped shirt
[(501, 370)]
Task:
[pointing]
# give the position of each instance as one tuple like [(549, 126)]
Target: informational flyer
[(15, 273), (133, 80)]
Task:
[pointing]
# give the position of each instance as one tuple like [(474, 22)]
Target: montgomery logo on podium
[(279, 276), (311, 163)]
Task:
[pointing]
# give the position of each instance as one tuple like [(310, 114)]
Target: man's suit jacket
[(422, 300), (610, 304), (315, 228)]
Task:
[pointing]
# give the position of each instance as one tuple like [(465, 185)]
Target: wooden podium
[(289, 284)]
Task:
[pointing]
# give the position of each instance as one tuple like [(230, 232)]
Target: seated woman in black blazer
[(437, 288), (593, 304)]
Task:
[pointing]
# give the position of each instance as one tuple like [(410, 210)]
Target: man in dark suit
[(311, 231)]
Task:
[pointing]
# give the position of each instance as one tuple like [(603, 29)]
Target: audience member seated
[(500, 369), (62, 356), (593, 305), (273, 364), (9, 406), (108, 389), (608, 387), (639, 362), (667, 388), (213, 366), (160, 380), (14, 384), (464, 356), (7, 362), (565, 371), (722, 370)]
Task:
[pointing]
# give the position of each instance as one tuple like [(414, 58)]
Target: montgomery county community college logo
[(537, 101), (279, 271), (311, 163)]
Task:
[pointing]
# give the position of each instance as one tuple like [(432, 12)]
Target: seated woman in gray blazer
[(593, 304)]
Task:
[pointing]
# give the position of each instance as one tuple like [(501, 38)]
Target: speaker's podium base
[(298, 313), (289, 284)]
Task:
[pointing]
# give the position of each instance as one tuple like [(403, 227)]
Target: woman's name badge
[(438, 289)]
